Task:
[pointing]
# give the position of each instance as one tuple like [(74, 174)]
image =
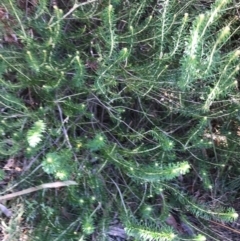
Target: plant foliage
[(137, 101)]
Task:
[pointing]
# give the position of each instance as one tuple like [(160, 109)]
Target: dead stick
[(34, 189)]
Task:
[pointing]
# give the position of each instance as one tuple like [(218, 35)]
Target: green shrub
[(137, 101)]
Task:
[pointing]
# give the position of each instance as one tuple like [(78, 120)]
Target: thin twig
[(63, 126), (34, 189), (75, 6)]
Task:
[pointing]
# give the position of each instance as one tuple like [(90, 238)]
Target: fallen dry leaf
[(171, 221), (5, 210), (10, 38)]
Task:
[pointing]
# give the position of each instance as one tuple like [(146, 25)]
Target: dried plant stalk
[(34, 189)]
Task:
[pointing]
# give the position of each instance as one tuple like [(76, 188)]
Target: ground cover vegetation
[(136, 102)]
